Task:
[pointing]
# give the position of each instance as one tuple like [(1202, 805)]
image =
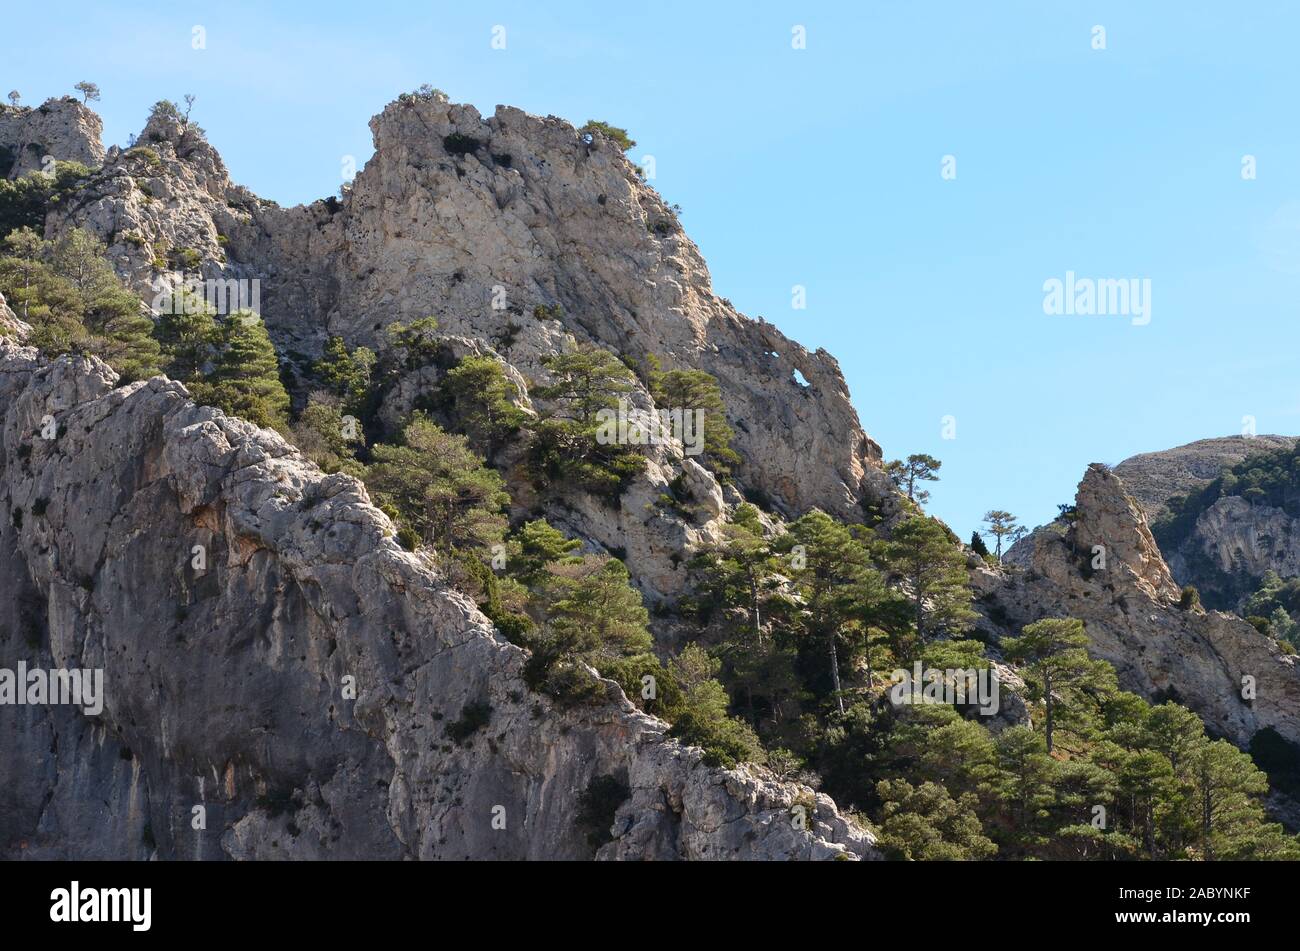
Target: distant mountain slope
[(1154, 477)]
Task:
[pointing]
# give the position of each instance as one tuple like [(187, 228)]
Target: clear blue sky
[(821, 167)]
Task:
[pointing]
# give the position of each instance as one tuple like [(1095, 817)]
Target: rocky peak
[(62, 129), (1131, 610), (170, 132), (515, 229), (1109, 518)]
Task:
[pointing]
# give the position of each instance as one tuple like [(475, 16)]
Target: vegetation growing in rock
[(568, 446), (25, 201), (614, 133), (75, 303)]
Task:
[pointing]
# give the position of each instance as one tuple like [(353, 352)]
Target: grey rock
[(1131, 611), (225, 685), (63, 129)]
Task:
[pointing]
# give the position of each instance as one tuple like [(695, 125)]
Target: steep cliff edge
[(1106, 569), (227, 686)]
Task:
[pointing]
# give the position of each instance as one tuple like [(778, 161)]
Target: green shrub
[(614, 133), (473, 717)]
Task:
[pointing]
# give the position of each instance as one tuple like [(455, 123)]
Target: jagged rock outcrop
[(478, 222), (226, 680), (1131, 608), (10, 325), (63, 129)]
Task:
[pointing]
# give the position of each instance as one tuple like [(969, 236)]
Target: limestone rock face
[(1241, 539), (1111, 523), (523, 237), (1131, 610), (481, 222), (10, 325), (62, 129), (270, 654)]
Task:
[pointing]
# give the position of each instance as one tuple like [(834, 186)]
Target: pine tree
[(245, 379), (584, 381), (1026, 774), (415, 344), (703, 719), (1002, 525), (1227, 786), (440, 488), (187, 332), (345, 373), (535, 547), (924, 823), (569, 444), (482, 400), (738, 572), (1055, 650), (323, 435), (694, 390), (918, 467), (924, 554), (843, 594)]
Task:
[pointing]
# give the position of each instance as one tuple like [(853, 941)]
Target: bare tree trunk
[(1206, 813), (1047, 696), (835, 674)]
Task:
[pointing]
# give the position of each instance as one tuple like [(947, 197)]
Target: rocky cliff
[(1225, 545), (316, 691), (307, 687), (522, 236), (61, 129), (1105, 568)]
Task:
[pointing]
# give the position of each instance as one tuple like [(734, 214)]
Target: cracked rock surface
[(301, 684)]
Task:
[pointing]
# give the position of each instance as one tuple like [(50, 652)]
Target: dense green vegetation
[(566, 446), (806, 624), (74, 302), (25, 201)]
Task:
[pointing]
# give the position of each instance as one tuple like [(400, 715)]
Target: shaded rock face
[(62, 129), (270, 655), (1131, 610), (1232, 545)]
